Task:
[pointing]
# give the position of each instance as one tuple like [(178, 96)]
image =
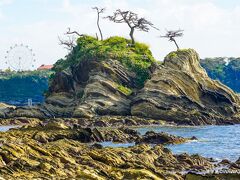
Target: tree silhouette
[(73, 32), (70, 42), (132, 20), (99, 11), (172, 34)]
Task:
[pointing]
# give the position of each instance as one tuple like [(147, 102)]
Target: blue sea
[(218, 142)]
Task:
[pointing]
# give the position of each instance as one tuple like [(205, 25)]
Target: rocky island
[(101, 90)]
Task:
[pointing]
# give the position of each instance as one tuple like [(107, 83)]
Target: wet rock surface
[(52, 150), (162, 138), (55, 150)]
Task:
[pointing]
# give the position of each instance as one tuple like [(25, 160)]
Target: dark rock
[(100, 124), (130, 131), (225, 161), (194, 138), (160, 138), (96, 145)]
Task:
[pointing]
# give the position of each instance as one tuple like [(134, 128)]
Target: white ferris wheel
[(20, 57)]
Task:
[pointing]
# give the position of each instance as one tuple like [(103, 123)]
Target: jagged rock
[(55, 150), (161, 138), (181, 91), (93, 88), (71, 159)]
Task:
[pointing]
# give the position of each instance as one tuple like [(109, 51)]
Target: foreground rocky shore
[(59, 150)]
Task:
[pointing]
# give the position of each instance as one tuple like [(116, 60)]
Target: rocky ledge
[(55, 150), (44, 132)]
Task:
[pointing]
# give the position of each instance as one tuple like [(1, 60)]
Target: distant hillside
[(226, 70), (17, 87)]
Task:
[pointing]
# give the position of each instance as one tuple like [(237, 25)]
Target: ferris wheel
[(20, 57)]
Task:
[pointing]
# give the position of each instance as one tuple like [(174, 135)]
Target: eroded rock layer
[(181, 91), (92, 88)]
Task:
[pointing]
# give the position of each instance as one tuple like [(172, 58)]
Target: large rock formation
[(181, 91), (91, 88)]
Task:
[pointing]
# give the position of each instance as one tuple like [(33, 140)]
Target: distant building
[(45, 67)]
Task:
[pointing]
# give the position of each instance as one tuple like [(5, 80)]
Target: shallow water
[(6, 128), (218, 142)]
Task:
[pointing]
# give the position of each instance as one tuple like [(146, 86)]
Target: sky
[(211, 27)]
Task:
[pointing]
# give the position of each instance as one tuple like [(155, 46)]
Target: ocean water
[(218, 142)]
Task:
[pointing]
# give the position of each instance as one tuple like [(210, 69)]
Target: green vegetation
[(18, 87), (124, 90), (175, 54), (226, 70), (34, 74), (172, 55), (137, 58)]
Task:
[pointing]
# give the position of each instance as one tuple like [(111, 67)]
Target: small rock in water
[(97, 146), (194, 138), (225, 161)]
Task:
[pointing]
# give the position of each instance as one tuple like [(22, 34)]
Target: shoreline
[(44, 137)]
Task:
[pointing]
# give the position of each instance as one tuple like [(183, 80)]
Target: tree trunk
[(131, 35), (176, 44), (99, 27)]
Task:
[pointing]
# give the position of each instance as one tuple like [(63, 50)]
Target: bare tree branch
[(68, 43), (73, 32), (99, 11)]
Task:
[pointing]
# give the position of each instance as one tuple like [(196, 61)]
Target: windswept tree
[(132, 20), (99, 11), (70, 42), (172, 35)]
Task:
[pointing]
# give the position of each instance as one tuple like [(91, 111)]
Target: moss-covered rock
[(137, 58)]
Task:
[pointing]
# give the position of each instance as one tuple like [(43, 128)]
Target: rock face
[(181, 91), (91, 88)]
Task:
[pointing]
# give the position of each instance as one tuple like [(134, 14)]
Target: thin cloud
[(209, 28)]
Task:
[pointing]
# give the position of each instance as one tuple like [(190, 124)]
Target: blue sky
[(211, 26)]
